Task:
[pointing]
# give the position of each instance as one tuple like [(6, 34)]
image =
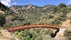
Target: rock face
[(5, 35), (60, 34)]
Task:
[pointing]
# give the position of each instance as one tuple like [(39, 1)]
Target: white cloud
[(6, 2)]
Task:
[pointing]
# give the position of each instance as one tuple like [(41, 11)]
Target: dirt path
[(67, 24)]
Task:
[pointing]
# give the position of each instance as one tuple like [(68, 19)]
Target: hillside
[(30, 14), (41, 15)]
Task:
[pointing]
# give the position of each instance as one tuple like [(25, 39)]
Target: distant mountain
[(31, 14), (29, 7), (33, 8), (44, 15)]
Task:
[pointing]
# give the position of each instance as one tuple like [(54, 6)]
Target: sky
[(34, 2)]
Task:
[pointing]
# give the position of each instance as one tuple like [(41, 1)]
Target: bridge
[(59, 29), (18, 28)]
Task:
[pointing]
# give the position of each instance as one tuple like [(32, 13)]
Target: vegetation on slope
[(30, 14)]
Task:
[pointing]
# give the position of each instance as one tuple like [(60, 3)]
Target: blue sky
[(35, 2)]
